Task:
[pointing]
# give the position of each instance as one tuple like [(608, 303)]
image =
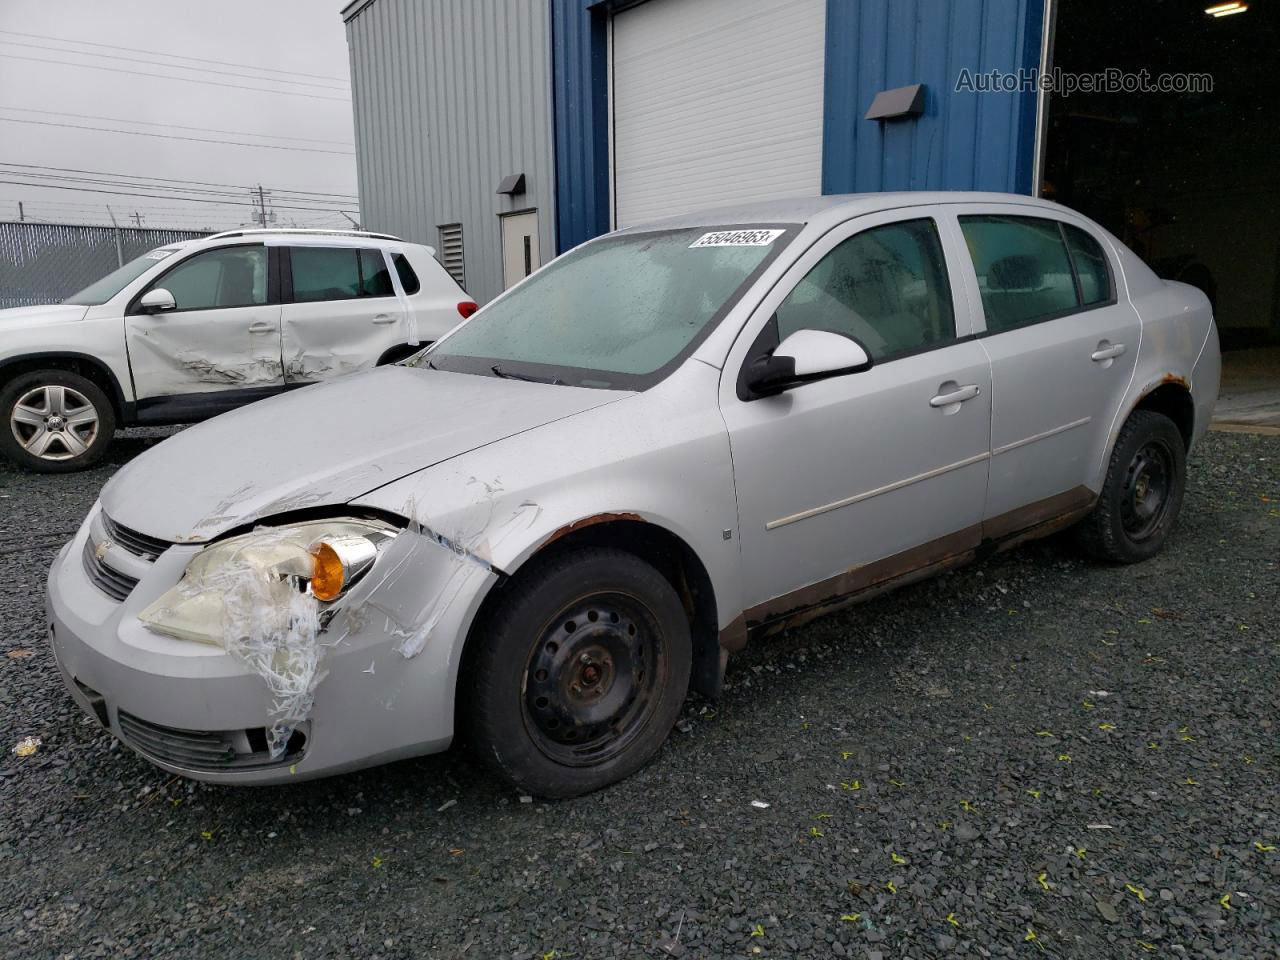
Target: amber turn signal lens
[(328, 576)]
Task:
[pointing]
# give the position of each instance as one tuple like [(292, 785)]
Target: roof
[(835, 208)]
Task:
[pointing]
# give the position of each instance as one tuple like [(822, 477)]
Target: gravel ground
[(1032, 755)]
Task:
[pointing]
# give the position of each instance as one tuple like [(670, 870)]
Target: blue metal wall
[(963, 141)]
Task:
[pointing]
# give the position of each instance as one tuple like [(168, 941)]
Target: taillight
[(466, 308)]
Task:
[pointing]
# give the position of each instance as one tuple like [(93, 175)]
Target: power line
[(171, 66), (172, 136), (200, 183), (163, 76), (120, 193), (176, 191), (175, 126), (172, 56)]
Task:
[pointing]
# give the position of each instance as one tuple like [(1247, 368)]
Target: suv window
[(408, 279), (1091, 266), (338, 273), (375, 280), (886, 287), (1024, 270), (216, 279)]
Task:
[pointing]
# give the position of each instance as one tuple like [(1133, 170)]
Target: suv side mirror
[(806, 356), (157, 301)]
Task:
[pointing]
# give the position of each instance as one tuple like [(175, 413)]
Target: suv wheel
[(1142, 494), (579, 674), (55, 421)]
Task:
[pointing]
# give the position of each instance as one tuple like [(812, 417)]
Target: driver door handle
[(262, 327), (1107, 353), (956, 396)]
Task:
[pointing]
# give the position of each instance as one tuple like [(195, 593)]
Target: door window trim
[(273, 283), (1080, 308)]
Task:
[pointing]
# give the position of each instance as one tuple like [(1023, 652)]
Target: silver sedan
[(547, 528)]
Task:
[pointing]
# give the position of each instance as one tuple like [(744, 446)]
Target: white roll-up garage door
[(715, 101)]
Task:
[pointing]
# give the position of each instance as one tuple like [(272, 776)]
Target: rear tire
[(55, 421), (578, 675), (1141, 497)]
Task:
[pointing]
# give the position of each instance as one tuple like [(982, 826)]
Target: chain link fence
[(45, 262)]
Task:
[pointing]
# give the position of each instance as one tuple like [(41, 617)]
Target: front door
[(223, 334), (850, 481), (519, 246), (1062, 349)]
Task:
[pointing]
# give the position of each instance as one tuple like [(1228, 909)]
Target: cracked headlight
[(272, 581)]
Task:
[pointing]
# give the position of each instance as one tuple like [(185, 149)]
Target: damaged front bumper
[(384, 690)]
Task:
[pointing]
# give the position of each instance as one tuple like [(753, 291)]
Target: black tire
[(70, 446), (1141, 497), (598, 618)]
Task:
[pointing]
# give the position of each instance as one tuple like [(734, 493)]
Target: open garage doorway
[(1190, 181)]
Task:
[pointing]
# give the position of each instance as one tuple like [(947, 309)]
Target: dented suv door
[(223, 333)]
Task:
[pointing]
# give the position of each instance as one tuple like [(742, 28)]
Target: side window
[(228, 277), (1091, 266), (886, 287), (408, 279), (375, 281), (1024, 271), (324, 273)]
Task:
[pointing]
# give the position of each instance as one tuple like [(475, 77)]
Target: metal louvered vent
[(451, 252)]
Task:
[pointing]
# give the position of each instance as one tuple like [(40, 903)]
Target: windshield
[(103, 290), (618, 313)]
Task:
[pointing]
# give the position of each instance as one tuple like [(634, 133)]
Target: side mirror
[(806, 356), (157, 301)]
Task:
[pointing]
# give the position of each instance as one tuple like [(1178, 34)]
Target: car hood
[(17, 317), (325, 445)]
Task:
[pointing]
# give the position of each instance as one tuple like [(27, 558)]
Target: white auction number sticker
[(737, 238), (157, 254)]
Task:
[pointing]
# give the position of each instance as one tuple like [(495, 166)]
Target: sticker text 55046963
[(737, 238)]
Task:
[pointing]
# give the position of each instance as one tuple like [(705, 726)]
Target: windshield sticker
[(737, 238), (157, 254)]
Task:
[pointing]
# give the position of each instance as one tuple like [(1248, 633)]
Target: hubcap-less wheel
[(54, 422), (1146, 497), (593, 679)]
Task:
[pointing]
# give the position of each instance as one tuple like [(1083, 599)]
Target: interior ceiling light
[(1226, 9)]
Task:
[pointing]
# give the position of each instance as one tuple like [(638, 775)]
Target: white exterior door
[(519, 247), (714, 102)]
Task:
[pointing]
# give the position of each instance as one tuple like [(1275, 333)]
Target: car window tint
[(1091, 266), (1024, 273), (229, 277), (886, 287), (375, 279), (325, 273), (408, 279)]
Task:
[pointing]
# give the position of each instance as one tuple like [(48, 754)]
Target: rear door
[(1062, 347), (849, 481), (223, 334), (341, 313)]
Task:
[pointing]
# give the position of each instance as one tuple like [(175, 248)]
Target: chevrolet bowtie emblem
[(100, 551)]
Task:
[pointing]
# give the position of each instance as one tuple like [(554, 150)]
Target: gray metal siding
[(449, 97)]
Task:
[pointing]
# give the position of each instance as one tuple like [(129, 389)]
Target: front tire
[(55, 421), (578, 675), (1141, 497)]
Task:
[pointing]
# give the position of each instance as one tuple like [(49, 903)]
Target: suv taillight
[(466, 308)]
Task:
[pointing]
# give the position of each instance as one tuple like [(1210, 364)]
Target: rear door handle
[(1107, 352), (262, 327), (956, 396), (384, 318)]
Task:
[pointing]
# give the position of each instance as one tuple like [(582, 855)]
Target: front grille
[(139, 544), (206, 749), (112, 582)]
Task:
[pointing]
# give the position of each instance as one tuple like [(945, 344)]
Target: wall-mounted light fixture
[(512, 184), (900, 102), (1225, 9)]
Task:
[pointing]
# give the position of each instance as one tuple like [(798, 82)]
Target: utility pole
[(354, 223), (137, 219), (119, 252), (21, 215), (260, 201)]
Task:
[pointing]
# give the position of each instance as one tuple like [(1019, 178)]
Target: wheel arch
[(1171, 397), (91, 368)]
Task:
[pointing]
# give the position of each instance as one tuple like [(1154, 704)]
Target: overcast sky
[(143, 65)]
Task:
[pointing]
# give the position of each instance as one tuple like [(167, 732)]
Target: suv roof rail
[(299, 230)]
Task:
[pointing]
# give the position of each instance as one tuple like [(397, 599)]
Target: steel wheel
[(54, 422), (593, 679), (1148, 482)]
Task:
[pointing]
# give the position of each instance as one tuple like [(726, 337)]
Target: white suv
[(197, 328)]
